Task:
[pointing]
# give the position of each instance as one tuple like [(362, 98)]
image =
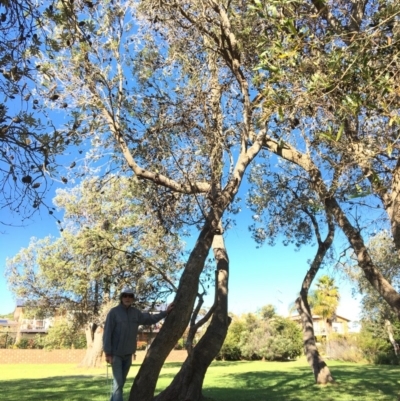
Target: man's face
[(127, 300)]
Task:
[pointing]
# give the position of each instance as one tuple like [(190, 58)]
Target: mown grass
[(225, 381)]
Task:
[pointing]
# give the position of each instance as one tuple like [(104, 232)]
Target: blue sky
[(268, 275)]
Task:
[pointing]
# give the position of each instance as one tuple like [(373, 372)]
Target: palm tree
[(325, 300)]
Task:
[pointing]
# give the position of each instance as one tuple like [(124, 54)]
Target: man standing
[(119, 337)]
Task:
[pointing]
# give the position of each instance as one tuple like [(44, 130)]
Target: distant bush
[(377, 350), (27, 343), (255, 337), (6, 341), (63, 335), (277, 339), (230, 350), (180, 344)]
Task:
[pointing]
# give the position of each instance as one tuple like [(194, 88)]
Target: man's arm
[(147, 319)]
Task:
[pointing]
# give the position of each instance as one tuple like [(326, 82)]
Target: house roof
[(318, 317), (7, 323)]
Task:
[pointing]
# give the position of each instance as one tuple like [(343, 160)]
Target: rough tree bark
[(320, 369), (187, 384), (176, 323), (94, 351)]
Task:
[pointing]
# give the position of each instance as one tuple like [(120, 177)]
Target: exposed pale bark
[(321, 371), (187, 384), (94, 336), (392, 340)]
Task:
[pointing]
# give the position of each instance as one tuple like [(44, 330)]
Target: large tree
[(285, 207), (167, 91)]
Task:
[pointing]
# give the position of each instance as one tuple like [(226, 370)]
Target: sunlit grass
[(225, 381)]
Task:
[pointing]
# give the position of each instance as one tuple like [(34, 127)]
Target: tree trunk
[(176, 322), (321, 371), (94, 337), (372, 274), (392, 340), (187, 384)]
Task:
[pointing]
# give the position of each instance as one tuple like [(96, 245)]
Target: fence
[(8, 356)]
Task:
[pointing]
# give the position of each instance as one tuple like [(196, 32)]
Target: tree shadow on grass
[(60, 388), (353, 383)]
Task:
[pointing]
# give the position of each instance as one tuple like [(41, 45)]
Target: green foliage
[(324, 300), (278, 339), (230, 350), (262, 336), (63, 335), (244, 381), (6, 341), (9, 316), (106, 242), (375, 344), (180, 345), (28, 343)]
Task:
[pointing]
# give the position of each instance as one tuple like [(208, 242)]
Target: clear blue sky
[(269, 275)]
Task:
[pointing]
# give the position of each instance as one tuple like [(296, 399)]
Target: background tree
[(377, 318), (324, 300), (285, 206), (262, 336), (105, 244)]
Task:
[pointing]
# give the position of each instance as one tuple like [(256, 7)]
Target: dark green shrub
[(230, 350)]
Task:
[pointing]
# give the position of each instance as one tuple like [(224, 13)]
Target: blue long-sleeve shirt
[(121, 327)]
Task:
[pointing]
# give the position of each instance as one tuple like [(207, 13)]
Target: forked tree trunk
[(176, 322), (187, 384), (94, 336), (320, 369)]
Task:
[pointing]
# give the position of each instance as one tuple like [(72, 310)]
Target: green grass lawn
[(225, 381)]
